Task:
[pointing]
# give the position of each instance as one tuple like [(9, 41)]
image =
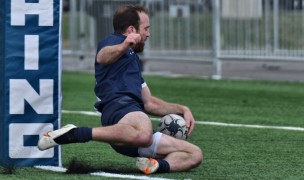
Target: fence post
[(276, 25), (82, 24), (217, 74), (73, 25)]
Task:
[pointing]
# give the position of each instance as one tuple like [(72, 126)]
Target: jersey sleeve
[(110, 41)]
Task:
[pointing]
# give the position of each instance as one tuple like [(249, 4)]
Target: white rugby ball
[(173, 125)]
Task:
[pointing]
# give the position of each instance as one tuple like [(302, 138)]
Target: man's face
[(143, 31)]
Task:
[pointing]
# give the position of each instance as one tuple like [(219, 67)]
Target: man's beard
[(139, 47)]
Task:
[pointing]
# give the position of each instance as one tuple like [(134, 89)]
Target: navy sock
[(76, 135), (164, 166), (83, 134)]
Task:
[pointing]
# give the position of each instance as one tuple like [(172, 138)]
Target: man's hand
[(189, 120), (132, 39)]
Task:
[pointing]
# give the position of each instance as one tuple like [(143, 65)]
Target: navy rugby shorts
[(113, 112)]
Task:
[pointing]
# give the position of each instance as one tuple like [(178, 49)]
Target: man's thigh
[(139, 120)]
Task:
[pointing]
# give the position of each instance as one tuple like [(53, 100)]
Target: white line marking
[(104, 174), (52, 168), (90, 113), (126, 176), (252, 126), (289, 128)]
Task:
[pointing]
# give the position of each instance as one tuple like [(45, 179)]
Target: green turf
[(229, 152)]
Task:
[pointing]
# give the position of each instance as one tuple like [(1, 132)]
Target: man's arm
[(158, 107), (111, 54)]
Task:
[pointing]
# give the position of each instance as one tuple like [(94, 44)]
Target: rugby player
[(125, 102)]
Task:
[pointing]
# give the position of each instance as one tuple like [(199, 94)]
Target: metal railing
[(197, 30)]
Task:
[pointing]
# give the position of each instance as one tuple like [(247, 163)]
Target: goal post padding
[(30, 64)]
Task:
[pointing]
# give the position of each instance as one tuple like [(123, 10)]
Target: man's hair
[(126, 16)]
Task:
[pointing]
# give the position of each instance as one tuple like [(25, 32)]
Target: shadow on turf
[(81, 167), (7, 170)]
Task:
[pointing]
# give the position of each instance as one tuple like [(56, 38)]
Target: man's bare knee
[(144, 139), (196, 156), (142, 133)]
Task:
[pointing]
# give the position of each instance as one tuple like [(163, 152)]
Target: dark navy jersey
[(122, 78)]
